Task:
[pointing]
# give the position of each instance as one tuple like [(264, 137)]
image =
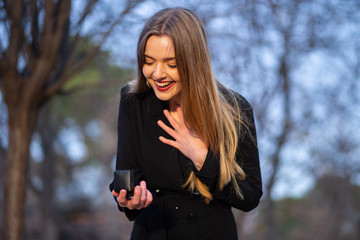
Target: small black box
[(124, 179)]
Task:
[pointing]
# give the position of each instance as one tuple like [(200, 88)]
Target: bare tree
[(36, 58)]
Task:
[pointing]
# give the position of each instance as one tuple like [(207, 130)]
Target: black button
[(157, 192)]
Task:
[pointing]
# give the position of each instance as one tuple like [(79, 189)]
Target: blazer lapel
[(168, 155)]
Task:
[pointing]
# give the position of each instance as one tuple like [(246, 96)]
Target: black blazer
[(175, 213)]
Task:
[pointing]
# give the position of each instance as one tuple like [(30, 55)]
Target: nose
[(159, 72)]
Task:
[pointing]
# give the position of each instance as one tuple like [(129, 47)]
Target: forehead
[(160, 47)]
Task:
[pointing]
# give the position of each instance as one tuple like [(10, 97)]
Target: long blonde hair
[(219, 121)]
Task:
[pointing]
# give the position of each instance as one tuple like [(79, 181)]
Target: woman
[(190, 140)]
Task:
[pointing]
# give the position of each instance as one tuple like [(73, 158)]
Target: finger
[(167, 129), (122, 198), (171, 119), (143, 192), (136, 198), (169, 142), (115, 194), (180, 114), (149, 198)]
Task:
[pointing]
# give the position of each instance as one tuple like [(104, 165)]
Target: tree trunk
[(21, 125)]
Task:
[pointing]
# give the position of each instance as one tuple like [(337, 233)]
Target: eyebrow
[(165, 59)]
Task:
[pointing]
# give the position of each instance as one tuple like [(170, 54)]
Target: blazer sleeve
[(126, 154), (247, 157)]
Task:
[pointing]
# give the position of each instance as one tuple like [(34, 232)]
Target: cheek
[(146, 71), (175, 75)]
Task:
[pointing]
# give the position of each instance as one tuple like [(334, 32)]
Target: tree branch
[(32, 49), (70, 70), (55, 25), (8, 65), (16, 33), (87, 10)]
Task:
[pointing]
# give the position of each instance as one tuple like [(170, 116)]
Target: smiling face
[(160, 68)]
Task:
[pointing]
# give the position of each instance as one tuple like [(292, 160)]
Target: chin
[(162, 97), (171, 94)]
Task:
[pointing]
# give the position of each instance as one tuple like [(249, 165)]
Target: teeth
[(163, 84)]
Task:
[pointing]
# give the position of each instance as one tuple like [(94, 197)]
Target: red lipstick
[(164, 87)]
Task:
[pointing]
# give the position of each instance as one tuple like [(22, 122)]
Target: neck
[(173, 105)]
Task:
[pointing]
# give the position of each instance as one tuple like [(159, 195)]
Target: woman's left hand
[(186, 140)]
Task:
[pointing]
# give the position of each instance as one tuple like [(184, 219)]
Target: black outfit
[(176, 213)]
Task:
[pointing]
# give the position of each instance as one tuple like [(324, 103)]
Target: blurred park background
[(63, 62)]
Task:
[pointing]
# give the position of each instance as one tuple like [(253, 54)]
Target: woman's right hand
[(141, 199)]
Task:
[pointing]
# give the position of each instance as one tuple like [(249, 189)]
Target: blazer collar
[(169, 156), (155, 106)]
